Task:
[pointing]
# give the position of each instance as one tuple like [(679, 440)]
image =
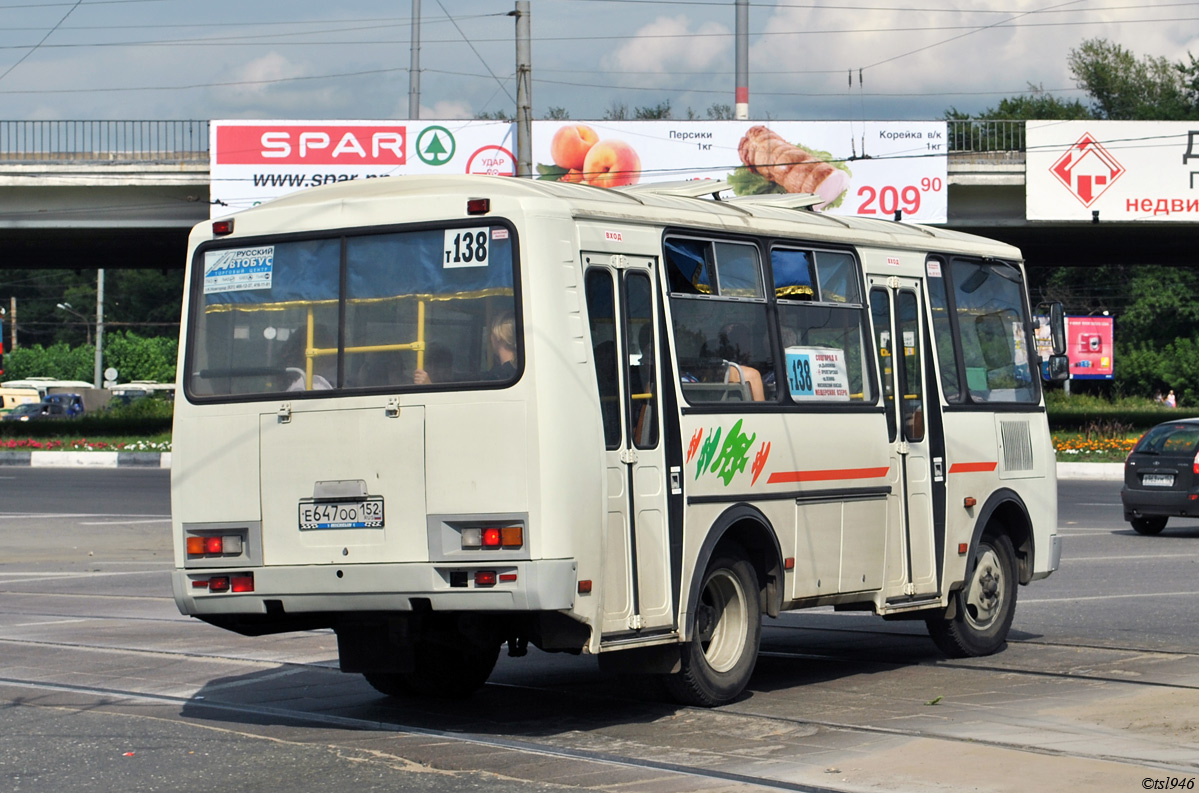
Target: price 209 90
[(889, 200)]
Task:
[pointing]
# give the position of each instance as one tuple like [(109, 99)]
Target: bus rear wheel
[(984, 606), (718, 661), (445, 666)]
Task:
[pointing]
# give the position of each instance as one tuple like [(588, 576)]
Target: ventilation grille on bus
[(1017, 445)]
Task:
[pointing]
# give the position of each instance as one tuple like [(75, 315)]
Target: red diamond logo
[(1087, 169)]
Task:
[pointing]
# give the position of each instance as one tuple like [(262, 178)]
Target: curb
[(86, 459), (1111, 472)]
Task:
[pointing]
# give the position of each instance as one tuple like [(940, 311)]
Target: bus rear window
[(405, 310)]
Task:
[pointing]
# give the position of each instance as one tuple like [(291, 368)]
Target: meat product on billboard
[(792, 168)]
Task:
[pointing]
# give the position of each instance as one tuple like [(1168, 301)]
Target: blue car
[(64, 405)]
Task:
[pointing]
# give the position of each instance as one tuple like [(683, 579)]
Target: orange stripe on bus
[(780, 477), (972, 468)]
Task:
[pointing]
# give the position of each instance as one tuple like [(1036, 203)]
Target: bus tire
[(984, 605), (717, 663), (446, 667), (1148, 526)]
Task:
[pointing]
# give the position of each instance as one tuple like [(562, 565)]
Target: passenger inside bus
[(382, 369), (294, 359), (734, 346), (503, 344), (439, 366)]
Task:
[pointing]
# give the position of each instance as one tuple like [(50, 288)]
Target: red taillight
[(484, 578), (478, 206), (214, 545), (242, 582), (492, 538), (1195, 464), (222, 227), (218, 583)]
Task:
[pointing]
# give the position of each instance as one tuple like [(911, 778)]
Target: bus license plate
[(1158, 480), (366, 513)]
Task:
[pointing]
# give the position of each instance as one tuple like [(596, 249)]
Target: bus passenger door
[(896, 310), (624, 333)]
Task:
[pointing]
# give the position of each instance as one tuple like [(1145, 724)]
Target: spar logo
[(311, 144), (1087, 169), (435, 146)]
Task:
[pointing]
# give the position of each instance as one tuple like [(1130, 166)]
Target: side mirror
[(1057, 329), (1058, 368)]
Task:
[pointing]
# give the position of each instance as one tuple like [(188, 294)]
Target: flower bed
[(81, 445)]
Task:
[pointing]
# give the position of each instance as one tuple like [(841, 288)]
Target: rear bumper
[(1142, 503), (547, 585)]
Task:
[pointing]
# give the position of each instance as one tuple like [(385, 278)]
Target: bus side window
[(601, 312), (718, 307)]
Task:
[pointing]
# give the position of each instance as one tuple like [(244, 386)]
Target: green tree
[(556, 114), (655, 112), (720, 112), (1123, 87), (617, 111), (134, 357), (493, 115), (59, 360)]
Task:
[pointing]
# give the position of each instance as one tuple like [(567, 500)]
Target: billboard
[(255, 161), (872, 169), (1089, 343), (1124, 170)]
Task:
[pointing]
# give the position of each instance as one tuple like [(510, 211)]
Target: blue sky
[(182, 59)]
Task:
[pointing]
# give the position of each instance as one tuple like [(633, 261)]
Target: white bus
[(439, 415)]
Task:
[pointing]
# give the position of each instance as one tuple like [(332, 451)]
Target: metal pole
[(524, 91), (99, 373), (12, 314), (414, 66), (741, 111)]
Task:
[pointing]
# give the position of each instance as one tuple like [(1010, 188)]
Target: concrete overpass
[(118, 194)]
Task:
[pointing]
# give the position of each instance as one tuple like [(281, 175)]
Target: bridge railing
[(104, 141), (187, 141)]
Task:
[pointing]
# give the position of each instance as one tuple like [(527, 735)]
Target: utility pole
[(414, 65), (524, 91), (99, 373), (741, 110), (12, 315)]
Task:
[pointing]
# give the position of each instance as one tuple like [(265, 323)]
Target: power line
[(968, 30), (49, 33)]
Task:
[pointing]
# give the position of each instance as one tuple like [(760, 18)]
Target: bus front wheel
[(985, 604), (718, 661)]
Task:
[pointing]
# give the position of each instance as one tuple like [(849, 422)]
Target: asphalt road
[(104, 686)]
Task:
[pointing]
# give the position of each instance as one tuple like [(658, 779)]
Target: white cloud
[(445, 109), (926, 61), (670, 44)]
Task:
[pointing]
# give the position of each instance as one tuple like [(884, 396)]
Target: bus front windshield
[(429, 308)]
